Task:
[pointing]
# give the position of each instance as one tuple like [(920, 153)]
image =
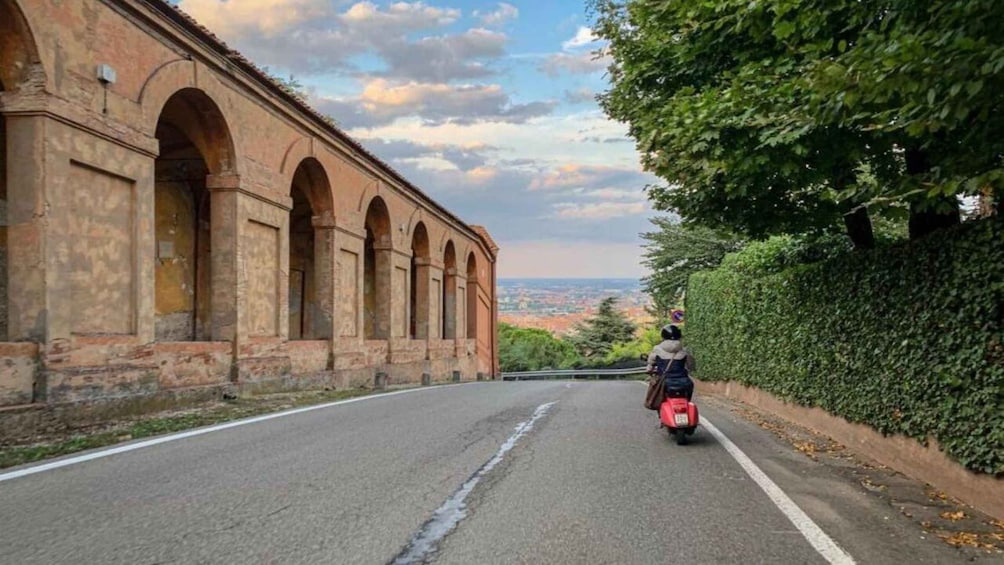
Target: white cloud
[(382, 102), (443, 58), (313, 36), (551, 140), (574, 63), (499, 16), (616, 194), (580, 95), (598, 210), (583, 36), (579, 176)]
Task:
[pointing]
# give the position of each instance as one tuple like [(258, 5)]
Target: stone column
[(225, 260), (423, 293), (382, 314), (450, 327), (472, 311), (435, 301), (29, 318), (460, 317), (323, 317)]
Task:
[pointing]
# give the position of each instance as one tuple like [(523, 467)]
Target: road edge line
[(108, 452), (817, 538)]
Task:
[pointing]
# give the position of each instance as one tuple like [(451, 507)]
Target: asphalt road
[(587, 479)]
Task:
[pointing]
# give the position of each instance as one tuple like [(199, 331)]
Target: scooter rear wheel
[(681, 437)]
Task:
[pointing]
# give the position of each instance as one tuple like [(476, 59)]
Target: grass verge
[(160, 423)]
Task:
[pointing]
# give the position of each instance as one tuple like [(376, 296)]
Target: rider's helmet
[(671, 332)]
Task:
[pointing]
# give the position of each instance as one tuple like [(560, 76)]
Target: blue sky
[(488, 106)]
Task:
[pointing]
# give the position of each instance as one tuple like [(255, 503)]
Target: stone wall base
[(29, 420), (164, 376), (904, 454)]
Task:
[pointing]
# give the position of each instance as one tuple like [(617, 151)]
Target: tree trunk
[(929, 215), (859, 228), (856, 221)]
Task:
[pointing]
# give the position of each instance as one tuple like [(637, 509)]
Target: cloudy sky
[(487, 106)]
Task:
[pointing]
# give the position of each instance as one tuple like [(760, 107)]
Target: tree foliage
[(596, 336), (791, 116), (675, 251), (628, 353), (528, 349)]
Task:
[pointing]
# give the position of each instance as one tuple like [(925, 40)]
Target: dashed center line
[(446, 517)]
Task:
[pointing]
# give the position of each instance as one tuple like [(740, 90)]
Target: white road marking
[(447, 516), (198, 432), (815, 535)]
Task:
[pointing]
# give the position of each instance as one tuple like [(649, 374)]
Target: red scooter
[(678, 414)]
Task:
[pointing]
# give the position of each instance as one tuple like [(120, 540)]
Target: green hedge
[(908, 339)]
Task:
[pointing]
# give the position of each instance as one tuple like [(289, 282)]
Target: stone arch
[(200, 119), (449, 291), (419, 287), (310, 252), (472, 296), (18, 52), (377, 268), (206, 92), (195, 143)]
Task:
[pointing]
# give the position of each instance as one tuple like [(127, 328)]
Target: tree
[(674, 252), (769, 117), (529, 349), (928, 74), (596, 336), (714, 94)]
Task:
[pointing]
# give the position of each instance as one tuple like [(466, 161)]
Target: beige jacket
[(671, 350)]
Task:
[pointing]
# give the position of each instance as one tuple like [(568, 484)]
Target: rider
[(672, 360)]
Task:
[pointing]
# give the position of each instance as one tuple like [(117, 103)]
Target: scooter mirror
[(643, 357)]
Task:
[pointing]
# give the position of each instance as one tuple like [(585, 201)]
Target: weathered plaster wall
[(18, 366), (261, 243), (3, 229), (99, 235)]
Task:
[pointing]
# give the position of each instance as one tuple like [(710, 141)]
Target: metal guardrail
[(573, 374)]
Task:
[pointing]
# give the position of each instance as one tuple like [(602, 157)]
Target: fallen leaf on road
[(954, 516)]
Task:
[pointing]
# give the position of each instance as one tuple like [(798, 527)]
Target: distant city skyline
[(558, 304)]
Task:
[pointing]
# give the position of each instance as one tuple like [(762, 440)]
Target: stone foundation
[(104, 375)]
